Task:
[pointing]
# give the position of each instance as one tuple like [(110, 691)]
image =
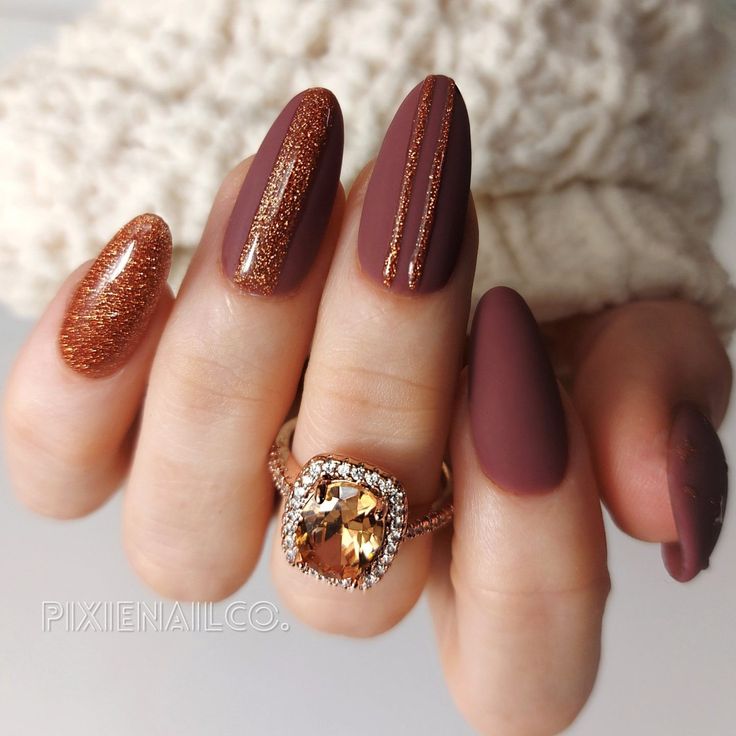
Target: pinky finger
[(74, 393)]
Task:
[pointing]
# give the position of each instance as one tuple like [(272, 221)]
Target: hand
[(519, 586)]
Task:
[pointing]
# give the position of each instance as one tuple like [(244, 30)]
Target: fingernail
[(414, 210), (698, 481), (284, 205), (516, 414), (114, 302)]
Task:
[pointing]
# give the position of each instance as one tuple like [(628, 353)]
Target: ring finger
[(387, 350)]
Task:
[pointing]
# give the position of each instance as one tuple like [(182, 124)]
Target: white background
[(669, 663)]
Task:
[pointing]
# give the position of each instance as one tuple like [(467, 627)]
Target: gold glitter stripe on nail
[(419, 128), (416, 266), (264, 251)]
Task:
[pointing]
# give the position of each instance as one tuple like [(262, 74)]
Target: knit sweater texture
[(593, 153)]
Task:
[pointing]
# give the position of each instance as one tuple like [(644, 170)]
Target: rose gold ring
[(344, 520)]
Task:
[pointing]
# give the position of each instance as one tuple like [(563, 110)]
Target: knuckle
[(59, 447), (209, 386), (187, 535), (390, 396), (542, 620), (61, 506), (184, 571), (181, 585), (596, 588), (665, 334), (59, 469), (578, 587)]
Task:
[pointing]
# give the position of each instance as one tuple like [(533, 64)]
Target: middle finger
[(387, 348)]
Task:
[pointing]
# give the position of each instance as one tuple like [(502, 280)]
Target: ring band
[(343, 519)]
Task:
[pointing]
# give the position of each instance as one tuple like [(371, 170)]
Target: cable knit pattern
[(593, 154)]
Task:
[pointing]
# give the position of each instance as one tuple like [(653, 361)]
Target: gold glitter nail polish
[(113, 304), (281, 212), (416, 265), (416, 140), (419, 129)]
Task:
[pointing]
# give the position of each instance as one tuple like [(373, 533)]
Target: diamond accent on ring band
[(344, 520)]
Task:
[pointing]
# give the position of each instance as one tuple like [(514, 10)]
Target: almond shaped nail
[(114, 302), (414, 212), (697, 475), (516, 414), (283, 208)]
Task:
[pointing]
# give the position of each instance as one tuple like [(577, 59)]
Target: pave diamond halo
[(344, 520)]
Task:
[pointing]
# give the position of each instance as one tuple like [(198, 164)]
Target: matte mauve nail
[(516, 414), (284, 205), (415, 204), (698, 480), (114, 302)]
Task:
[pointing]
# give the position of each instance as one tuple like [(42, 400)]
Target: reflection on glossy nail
[(113, 304)]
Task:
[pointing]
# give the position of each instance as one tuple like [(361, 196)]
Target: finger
[(650, 381), (518, 598), (77, 385), (386, 355), (199, 496)]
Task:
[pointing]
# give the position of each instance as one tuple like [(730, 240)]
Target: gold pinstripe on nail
[(419, 129), (416, 266)]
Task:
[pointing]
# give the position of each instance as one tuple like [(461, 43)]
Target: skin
[(518, 626)]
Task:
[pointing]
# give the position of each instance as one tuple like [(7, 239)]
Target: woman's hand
[(184, 397)]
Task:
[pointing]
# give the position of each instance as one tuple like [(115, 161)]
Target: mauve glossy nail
[(415, 204), (284, 205), (698, 481), (516, 414), (115, 301)]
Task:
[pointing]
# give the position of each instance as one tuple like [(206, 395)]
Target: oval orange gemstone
[(341, 529)]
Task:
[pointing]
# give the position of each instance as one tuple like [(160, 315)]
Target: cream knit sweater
[(593, 165)]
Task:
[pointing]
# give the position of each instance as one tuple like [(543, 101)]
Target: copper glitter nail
[(115, 301), (284, 205)]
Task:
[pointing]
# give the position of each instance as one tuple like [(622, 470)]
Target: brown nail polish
[(114, 302), (516, 414), (284, 205), (415, 204), (698, 482)]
